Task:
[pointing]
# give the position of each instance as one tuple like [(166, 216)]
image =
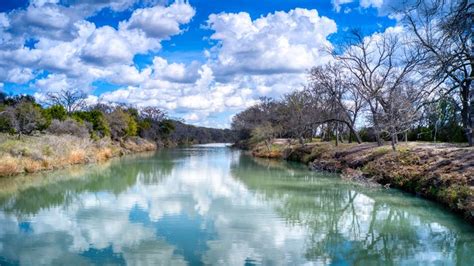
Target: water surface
[(214, 205)]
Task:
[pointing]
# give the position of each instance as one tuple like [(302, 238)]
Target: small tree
[(100, 126), (55, 112), (265, 132), (24, 118), (121, 123)]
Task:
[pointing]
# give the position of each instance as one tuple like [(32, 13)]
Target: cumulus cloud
[(105, 47), (86, 53), (281, 42), (159, 21)]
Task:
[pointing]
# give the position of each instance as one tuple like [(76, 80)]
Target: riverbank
[(32, 154), (440, 172)]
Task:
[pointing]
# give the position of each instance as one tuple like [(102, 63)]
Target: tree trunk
[(353, 132), (267, 143), (337, 135), (378, 138), (393, 142), (376, 126), (470, 84), (467, 111)]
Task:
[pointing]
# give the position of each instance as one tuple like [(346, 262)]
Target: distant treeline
[(66, 112), (184, 134)]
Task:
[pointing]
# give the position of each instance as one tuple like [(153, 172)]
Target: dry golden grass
[(46, 152), (76, 157), (9, 166), (32, 166), (103, 154)]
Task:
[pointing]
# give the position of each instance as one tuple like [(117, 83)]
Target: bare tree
[(71, 100), (297, 114), (153, 114), (380, 64), (400, 111), (266, 111), (333, 86), (444, 30)]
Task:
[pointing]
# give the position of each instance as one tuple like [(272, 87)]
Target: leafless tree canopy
[(71, 100), (443, 29)]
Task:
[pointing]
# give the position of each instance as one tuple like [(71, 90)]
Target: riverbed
[(216, 205)]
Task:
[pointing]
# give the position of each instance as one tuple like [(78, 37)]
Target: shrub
[(76, 157), (57, 112), (68, 127), (96, 118), (24, 117), (122, 124), (9, 166)]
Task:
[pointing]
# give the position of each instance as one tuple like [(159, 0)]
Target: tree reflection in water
[(350, 224)]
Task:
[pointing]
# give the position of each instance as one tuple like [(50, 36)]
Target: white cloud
[(383, 6), (175, 72), (160, 22), (338, 3), (281, 42), (106, 47), (87, 53), (191, 117), (16, 75), (371, 3)]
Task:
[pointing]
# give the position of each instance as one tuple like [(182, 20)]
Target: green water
[(214, 205)]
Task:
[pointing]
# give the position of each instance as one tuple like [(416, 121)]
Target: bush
[(57, 112), (24, 117), (122, 124), (68, 127), (100, 127)]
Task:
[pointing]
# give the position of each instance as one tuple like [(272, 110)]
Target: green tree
[(55, 112), (100, 126)]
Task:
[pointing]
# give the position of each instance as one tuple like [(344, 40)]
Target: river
[(215, 205)]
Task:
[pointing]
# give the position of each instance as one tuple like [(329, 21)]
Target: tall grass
[(45, 152)]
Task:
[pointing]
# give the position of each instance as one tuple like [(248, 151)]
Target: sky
[(200, 61)]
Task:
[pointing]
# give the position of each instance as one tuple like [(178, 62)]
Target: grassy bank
[(32, 154), (441, 172)]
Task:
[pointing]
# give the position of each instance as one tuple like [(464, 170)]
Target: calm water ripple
[(215, 205)]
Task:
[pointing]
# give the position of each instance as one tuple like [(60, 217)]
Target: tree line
[(66, 112), (411, 83)]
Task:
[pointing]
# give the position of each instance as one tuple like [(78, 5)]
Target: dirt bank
[(32, 154), (441, 172)]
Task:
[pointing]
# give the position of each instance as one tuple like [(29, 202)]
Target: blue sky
[(202, 61)]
